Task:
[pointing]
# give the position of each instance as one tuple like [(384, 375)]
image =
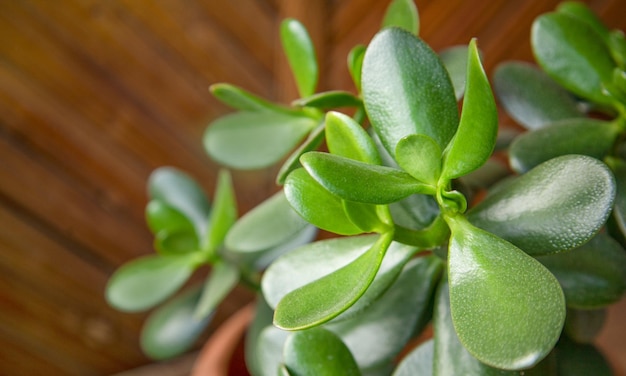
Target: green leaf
[(619, 211), (455, 61), (223, 278), (355, 62), (347, 179), (415, 212), (268, 225), (582, 12), (175, 242), (475, 138), (300, 54), (312, 142), (402, 14), (406, 90), (517, 309), (573, 54), (418, 362), (449, 355), (269, 350), (144, 282), (224, 213), (329, 99), (243, 100), (325, 298), (580, 360), (172, 329), (420, 156), (592, 275), (531, 97), (179, 191), (253, 140), (317, 352), (391, 320), (346, 138), (316, 205), (368, 217), (556, 206), (584, 325), (591, 137), (160, 216)]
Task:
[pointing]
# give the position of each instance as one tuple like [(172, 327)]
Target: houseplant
[(402, 181)]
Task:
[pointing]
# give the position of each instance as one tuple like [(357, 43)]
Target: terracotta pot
[(222, 355)]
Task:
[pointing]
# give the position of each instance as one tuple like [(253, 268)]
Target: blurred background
[(95, 94)]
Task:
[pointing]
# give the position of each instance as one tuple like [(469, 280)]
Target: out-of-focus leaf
[(584, 325), (269, 350), (300, 54), (531, 97), (418, 362), (253, 140), (414, 212), (312, 142), (455, 60), (224, 212), (173, 329), (243, 100), (222, 280), (175, 242), (580, 189), (355, 62), (329, 99), (402, 14), (403, 97), (160, 216), (618, 166), (580, 360), (582, 12)]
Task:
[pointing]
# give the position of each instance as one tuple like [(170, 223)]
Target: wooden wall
[(95, 94)]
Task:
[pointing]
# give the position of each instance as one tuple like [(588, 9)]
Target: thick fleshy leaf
[(368, 217), (591, 137), (329, 99), (243, 100), (316, 205), (415, 212), (617, 46), (556, 206), (455, 60), (391, 320), (176, 242), (312, 142), (531, 97), (346, 138), (327, 297), (300, 54), (161, 216), (418, 361), (573, 54), (268, 225), (224, 213), (317, 352), (407, 90), (355, 62), (592, 275), (144, 282), (584, 325), (361, 182), (269, 350), (619, 211), (475, 138), (252, 140), (223, 278), (449, 355), (575, 359), (420, 156), (582, 12), (517, 309), (173, 329), (402, 14), (179, 191)]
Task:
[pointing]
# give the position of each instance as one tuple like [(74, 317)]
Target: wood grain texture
[(96, 94)]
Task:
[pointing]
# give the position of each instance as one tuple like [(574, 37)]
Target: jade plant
[(512, 268)]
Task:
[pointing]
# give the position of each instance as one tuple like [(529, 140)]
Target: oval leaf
[(455, 61), (475, 138), (147, 281), (175, 242), (558, 205), (173, 329), (243, 100), (402, 14), (317, 352), (418, 362), (517, 309), (325, 298), (312, 142), (355, 62), (619, 211), (223, 278), (346, 138), (300, 54), (224, 212), (531, 97), (582, 12), (161, 216), (329, 99), (420, 156), (406, 90), (253, 140)]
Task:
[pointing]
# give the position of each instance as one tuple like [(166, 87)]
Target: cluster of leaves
[(499, 280)]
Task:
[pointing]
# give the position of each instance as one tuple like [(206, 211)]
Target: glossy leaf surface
[(591, 137), (173, 329), (402, 14), (300, 54), (221, 281), (361, 182), (508, 310), (418, 362), (346, 138), (592, 275), (327, 297), (252, 140), (475, 137), (147, 281), (224, 213), (317, 352), (243, 100), (267, 225), (579, 188), (573, 54), (420, 156), (329, 99), (531, 97), (455, 61), (406, 90)]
